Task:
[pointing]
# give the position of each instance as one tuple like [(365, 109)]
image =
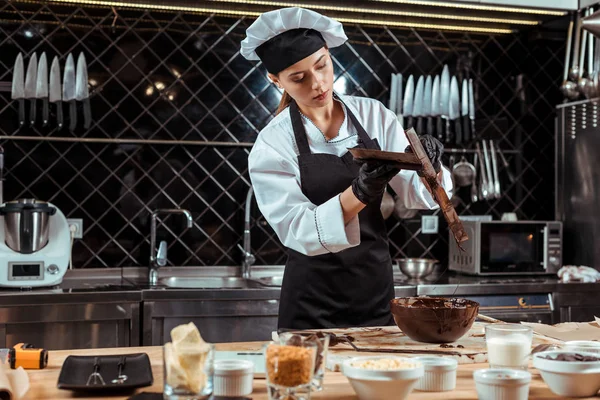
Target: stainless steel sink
[(269, 281), (208, 283)]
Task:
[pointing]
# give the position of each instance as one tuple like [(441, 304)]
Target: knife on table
[(435, 108), (427, 95), (464, 112), (445, 101), (41, 88), (55, 91), (82, 92), (399, 103), (18, 87), (407, 105), (472, 109), (30, 81), (418, 105), (453, 113), (69, 91)]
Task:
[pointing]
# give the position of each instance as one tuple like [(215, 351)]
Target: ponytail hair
[(286, 99)]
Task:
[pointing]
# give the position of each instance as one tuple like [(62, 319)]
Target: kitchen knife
[(30, 81), (464, 112), (453, 113), (435, 107), (399, 110), (41, 88), (69, 91), (472, 109), (427, 105), (55, 91), (18, 87), (445, 100), (407, 105), (393, 87), (82, 91), (418, 105)]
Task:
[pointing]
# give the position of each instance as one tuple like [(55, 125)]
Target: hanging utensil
[(435, 108), (427, 95), (69, 91), (418, 104), (585, 83), (483, 182), (506, 166), (407, 105), (82, 91), (41, 89), (454, 114), (568, 88), (488, 169), (393, 97), (387, 205), (55, 95), (399, 102), (30, 81), (575, 71), (497, 191), (472, 135), (464, 112), (474, 197), (445, 102), (463, 173), (18, 87)]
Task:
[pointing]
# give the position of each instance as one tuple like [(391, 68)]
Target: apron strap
[(300, 132)]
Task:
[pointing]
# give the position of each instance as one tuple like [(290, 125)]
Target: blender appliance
[(35, 244)]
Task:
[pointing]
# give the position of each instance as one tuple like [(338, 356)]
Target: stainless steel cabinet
[(219, 320), (71, 326)]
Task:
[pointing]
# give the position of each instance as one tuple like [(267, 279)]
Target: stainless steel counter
[(116, 307)]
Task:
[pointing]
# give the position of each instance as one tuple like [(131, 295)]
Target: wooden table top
[(336, 386)]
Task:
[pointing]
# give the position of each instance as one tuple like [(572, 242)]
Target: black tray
[(76, 370)]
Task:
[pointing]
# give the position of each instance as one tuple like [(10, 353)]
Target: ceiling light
[(454, 4), (385, 12), (147, 6)]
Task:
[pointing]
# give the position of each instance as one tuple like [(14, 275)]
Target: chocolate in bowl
[(434, 319)]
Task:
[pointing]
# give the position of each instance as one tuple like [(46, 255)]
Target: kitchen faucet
[(249, 258), (159, 258)]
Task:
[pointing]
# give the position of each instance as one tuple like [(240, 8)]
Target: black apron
[(354, 286)]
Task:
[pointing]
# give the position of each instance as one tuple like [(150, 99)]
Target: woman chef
[(324, 207)]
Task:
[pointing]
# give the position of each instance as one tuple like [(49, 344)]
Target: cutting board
[(390, 340)]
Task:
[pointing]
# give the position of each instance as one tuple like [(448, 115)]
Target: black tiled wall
[(180, 77)]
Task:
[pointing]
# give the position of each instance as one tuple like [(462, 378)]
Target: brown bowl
[(434, 319)]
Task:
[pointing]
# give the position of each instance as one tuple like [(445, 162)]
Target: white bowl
[(569, 378), (440, 374), (233, 378), (502, 384), (589, 346), (391, 384)]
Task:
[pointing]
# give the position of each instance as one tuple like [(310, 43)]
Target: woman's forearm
[(351, 206)]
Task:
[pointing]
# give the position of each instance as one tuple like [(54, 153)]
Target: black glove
[(372, 179), (434, 150)]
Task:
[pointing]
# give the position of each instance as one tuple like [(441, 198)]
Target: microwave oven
[(508, 248)]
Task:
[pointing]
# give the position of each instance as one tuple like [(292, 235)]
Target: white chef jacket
[(275, 175)]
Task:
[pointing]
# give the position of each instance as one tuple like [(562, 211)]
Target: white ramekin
[(440, 374), (233, 377), (502, 384)]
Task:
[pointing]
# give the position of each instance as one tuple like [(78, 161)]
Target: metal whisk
[(95, 378)]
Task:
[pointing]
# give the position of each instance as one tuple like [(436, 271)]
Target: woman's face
[(309, 81)]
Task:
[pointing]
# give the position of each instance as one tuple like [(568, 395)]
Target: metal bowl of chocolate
[(416, 268), (434, 319)]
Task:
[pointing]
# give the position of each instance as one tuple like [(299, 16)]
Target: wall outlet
[(78, 222), (429, 224)]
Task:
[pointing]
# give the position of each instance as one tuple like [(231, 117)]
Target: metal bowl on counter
[(416, 268)]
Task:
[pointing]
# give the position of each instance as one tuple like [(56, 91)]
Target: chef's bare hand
[(434, 150), (372, 179)]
